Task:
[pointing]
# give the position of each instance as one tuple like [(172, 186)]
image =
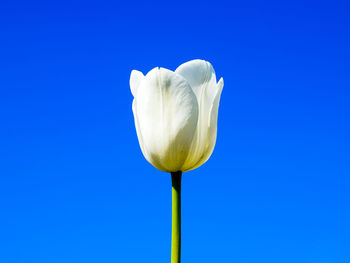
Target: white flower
[(176, 114)]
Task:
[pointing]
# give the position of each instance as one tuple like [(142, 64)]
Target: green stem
[(176, 217)]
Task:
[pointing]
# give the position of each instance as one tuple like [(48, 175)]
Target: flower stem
[(176, 217)]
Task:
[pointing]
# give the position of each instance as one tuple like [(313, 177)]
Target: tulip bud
[(176, 114)]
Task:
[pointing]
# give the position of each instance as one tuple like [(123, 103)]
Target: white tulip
[(176, 114)]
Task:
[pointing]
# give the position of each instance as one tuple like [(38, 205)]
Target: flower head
[(176, 114)]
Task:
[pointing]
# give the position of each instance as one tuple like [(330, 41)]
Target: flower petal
[(135, 79), (201, 76), (167, 112), (212, 127), (139, 135)]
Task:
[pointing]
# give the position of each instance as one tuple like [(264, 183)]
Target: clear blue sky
[(74, 186)]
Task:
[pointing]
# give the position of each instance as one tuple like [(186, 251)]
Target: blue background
[(74, 186)]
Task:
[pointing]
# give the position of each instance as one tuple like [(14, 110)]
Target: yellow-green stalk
[(176, 217)]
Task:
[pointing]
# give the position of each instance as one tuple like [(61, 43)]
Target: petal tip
[(221, 83), (135, 80)]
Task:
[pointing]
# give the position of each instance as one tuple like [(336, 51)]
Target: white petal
[(201, 76), (213, 115), (212, 127), (167, 112), (139, 135), (135, 79)]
